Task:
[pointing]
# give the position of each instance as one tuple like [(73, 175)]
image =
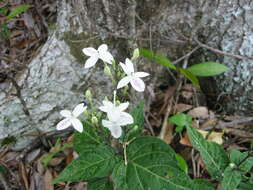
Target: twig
[(149, 126), (4, 182), (221, 52), (186, 55)]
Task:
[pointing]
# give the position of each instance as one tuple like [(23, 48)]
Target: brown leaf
[(213, 136), (55, 161), (179, 108), (47, 181), (185, 140), (168, 136), (23, 174), (199, 112)]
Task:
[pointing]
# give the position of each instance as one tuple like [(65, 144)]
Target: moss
[(77, 42), (10, 140)]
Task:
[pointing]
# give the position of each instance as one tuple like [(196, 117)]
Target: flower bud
[(88, 95), (107, 71), (232, 165), (136, 54), (94, 120)]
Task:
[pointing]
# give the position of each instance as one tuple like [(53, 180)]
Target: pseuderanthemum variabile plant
[(131, 161)]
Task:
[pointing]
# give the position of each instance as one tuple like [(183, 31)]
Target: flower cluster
[(117, 117)]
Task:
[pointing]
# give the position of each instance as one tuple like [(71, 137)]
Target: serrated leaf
[(237, 157), (213, 155), (138, 116), (190, 76), (182, 163), (18, 10), (162, 60), (245, 186), (207, 69), (150, 160), (181, 119), (100, 184), (231, 179), (90, 164), (86, 140), (200, 184)]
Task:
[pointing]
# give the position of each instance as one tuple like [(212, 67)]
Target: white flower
[(109, 106), (71, 118), (117, 117), (132, 77), (101, 53)]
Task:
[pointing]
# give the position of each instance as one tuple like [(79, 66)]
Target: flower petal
[(80, 108), (107, 106), (116, 130), (113, 115), (102, 48), (138, 84), (124, 67), (90, 51), (91, 62), (77, 124), (106, 57), (129, 65), (65, 113), (107, 124), (123, 106), (123, 82), (141, 74), (125, 119), (63, 124)]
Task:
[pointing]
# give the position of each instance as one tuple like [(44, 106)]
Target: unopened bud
[(107, 71), (136, 54), (94, 120), (88, 95), (232, 165)]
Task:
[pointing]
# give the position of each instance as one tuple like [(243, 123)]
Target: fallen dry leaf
[(48, 178), (179, 108), (213, 136), (185, 140), (199, 112)]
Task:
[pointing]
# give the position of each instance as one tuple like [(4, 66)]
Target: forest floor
[(36, 166)]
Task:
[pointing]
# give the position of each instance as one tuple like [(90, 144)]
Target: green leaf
[(56, 149), (200, 184), (2, 169), (149, 161), (162, 60), (100, 184), (18, 10), (190, 76), (182, 163), (245, 186), (90, 164), (213, 155), (138, 116), (5, 31), (181, 119), (231, 179), (87, 140), (207, 69), (237, 157)]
